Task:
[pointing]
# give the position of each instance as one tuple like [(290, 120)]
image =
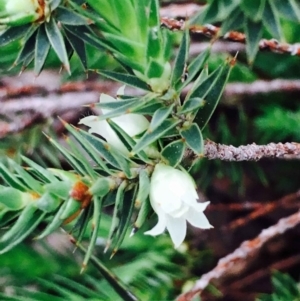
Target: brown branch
[(244, 252), (250, 152), (265, 209), (213, 32)]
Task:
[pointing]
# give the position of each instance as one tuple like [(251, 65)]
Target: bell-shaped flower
[(132, 124), (19, 12), (174, 199)]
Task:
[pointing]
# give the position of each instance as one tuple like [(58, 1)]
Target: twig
[(250, 152), (280, 265), (264, 209), (245, 251), (213, 32)]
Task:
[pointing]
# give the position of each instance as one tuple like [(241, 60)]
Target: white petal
[(106, 98), (121, 90), (132, 124), (89, 120), (159, 228), (197, 219), (200, 207), (177, 230)]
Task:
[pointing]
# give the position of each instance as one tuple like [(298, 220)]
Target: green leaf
[(101, 187), (96, 224), (181, 58), (160, 116), (194, 67), (42, 172), (204, 84), (116, 214), (253, 9), (27, 228), (59, 189), (127, 209), (253, 32), (79, 47), (28, 47), (69, 17), (101, 147), (142, 215), (192, 104), (57, 42), (42, 47), (128, 141), (234, 21), (213, 95), (11, 179), (127, 79), (48, 202), (13, 33), (26, 216), (149, 108), (154, 19), (30, 182), (12, 198), (72, 206), (144, 188), (173, 152), (73, 161), (56, 221), (90, 150), (271, 20), (289, 9), (150, 137), (193, 138)]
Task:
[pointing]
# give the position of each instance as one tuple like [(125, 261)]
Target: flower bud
[(20, 12), (174, 199)]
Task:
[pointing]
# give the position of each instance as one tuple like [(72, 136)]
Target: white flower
[(174, 199), (132, 124)]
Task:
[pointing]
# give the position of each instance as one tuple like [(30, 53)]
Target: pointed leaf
[(128, 141), (193, 138), (160, 116), (57, 42), (116, 214), (181, 58), (144, 188), (271, 20), (174, 152), (150, 137), (42, 172), (253, 32), (96, 224), (42, 47), (79, 47), (192, 104), (194, 67), (213, 95), (55, 223), (289, 9), (127, 79), (13, 33), (69, 17)]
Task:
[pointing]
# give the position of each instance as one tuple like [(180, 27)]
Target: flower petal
[(197, 219), (200, 207), (159, 228), (177, 230)]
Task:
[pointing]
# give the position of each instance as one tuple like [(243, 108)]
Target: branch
[(213, 32), (251, 152), (243, 253)]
